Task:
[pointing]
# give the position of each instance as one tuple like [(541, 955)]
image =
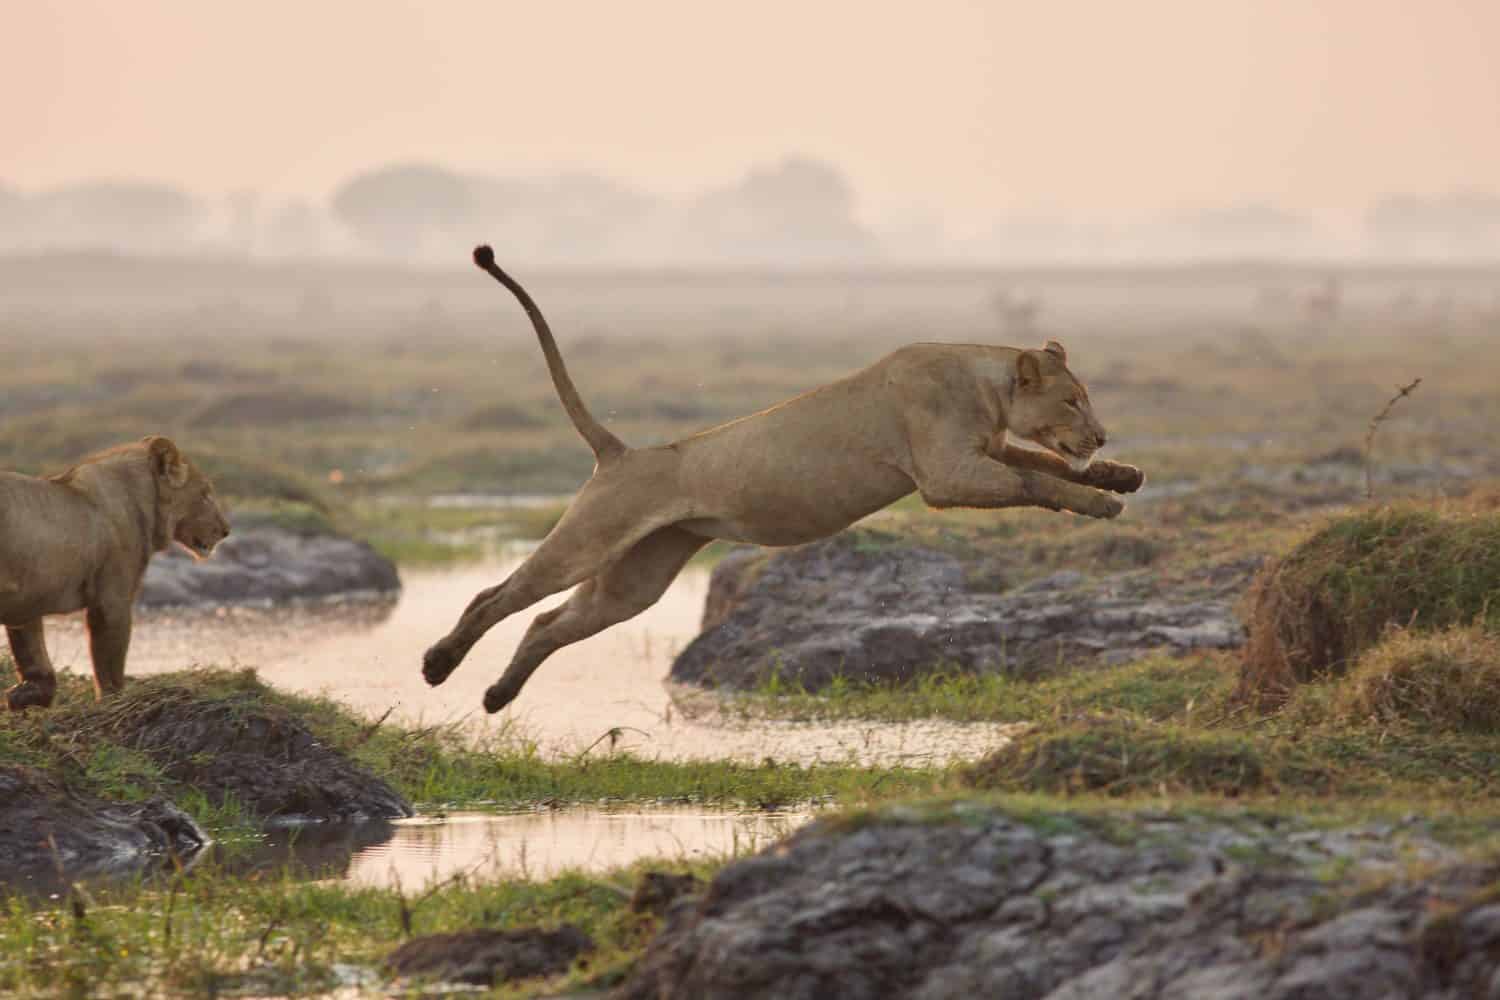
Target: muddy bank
[(51, 833), (264, 563), (221, 735), (870, 608), (965, 899)]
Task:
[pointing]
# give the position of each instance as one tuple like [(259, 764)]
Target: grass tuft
[(1314, 611)]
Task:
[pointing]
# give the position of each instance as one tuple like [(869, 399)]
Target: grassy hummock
[(1333, 596)]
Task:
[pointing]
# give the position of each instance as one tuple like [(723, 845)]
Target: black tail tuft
[(484, 256)]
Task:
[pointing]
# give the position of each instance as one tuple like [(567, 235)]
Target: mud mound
[(1122, 756), (272, 407), (223, 735), (964, 900), (1316, 609), (90, 835), (872, 608), (1447, 680), (489, 957)]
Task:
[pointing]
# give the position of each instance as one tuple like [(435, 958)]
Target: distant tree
[(398, 209), (295, 230), (1246, 229), (570, 217), (796, 211), (126, 215), (1460, 222), (14, 216)]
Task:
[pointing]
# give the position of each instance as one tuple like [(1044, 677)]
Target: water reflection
[(488, 846)]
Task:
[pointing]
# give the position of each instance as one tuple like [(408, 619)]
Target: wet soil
[(51, 834), (489, 957)]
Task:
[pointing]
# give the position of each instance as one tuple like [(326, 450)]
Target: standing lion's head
[(187, 511)]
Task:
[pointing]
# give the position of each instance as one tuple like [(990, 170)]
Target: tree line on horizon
[(793, 212)]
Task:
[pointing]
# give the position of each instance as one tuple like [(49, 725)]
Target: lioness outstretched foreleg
[(622, 591), (38, 685), (1101, 473), (979, 481)]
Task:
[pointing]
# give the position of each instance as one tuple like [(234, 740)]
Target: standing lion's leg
[(38, 681), (625, 589), (109, 640)]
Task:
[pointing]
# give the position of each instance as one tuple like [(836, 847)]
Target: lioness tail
[(605, 445)]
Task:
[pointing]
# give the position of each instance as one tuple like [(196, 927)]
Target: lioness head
[(187, 511), (1051, 407)]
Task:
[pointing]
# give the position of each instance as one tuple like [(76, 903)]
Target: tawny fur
[(81, 540), (928, 418)]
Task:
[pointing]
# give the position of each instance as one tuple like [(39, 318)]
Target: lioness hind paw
[(497, 696), (437, 664)]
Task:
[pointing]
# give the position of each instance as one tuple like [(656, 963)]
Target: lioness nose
[(1103, 437)]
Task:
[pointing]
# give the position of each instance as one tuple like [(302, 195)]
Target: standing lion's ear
[(1028, 370), (166, 460), (1056, 350)]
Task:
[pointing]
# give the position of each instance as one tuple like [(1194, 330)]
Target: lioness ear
[(166, 460), (1056, 350), (1028, 370)]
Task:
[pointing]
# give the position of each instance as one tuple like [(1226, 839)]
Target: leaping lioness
[(930, 418)]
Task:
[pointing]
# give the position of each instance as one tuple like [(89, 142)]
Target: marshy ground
[(413, 410)]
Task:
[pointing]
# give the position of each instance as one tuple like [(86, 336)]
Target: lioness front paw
[(1106, 507), (1116, 477)]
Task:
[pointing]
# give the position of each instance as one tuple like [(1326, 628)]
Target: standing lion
[(80, 540)]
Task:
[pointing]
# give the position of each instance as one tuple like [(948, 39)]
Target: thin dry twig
[(1375, 422)]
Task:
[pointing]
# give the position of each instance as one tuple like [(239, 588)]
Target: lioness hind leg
[(594, 532), (625, 589), (38, 681)]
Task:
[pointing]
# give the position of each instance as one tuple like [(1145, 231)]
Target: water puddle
[(488, 846), (610, 686), (483, 847)]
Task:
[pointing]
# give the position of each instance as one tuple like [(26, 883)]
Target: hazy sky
[(964, 111)]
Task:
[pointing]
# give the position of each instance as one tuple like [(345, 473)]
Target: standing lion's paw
[(29, 694)]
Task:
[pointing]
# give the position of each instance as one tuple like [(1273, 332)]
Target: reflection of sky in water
[(491, 846)]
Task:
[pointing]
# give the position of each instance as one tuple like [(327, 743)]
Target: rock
[(966, 900), (92, 836), (490, 957), (886, 612), (264, 564)]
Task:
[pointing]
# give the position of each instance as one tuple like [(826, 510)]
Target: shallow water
[(489, 846), (369, 657)]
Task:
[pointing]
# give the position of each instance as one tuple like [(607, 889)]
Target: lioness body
[(928, 418), (81, 541)]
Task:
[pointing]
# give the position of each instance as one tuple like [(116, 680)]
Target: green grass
[(1335, 594), (436, 767), (205, 933), (1157, 688)]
